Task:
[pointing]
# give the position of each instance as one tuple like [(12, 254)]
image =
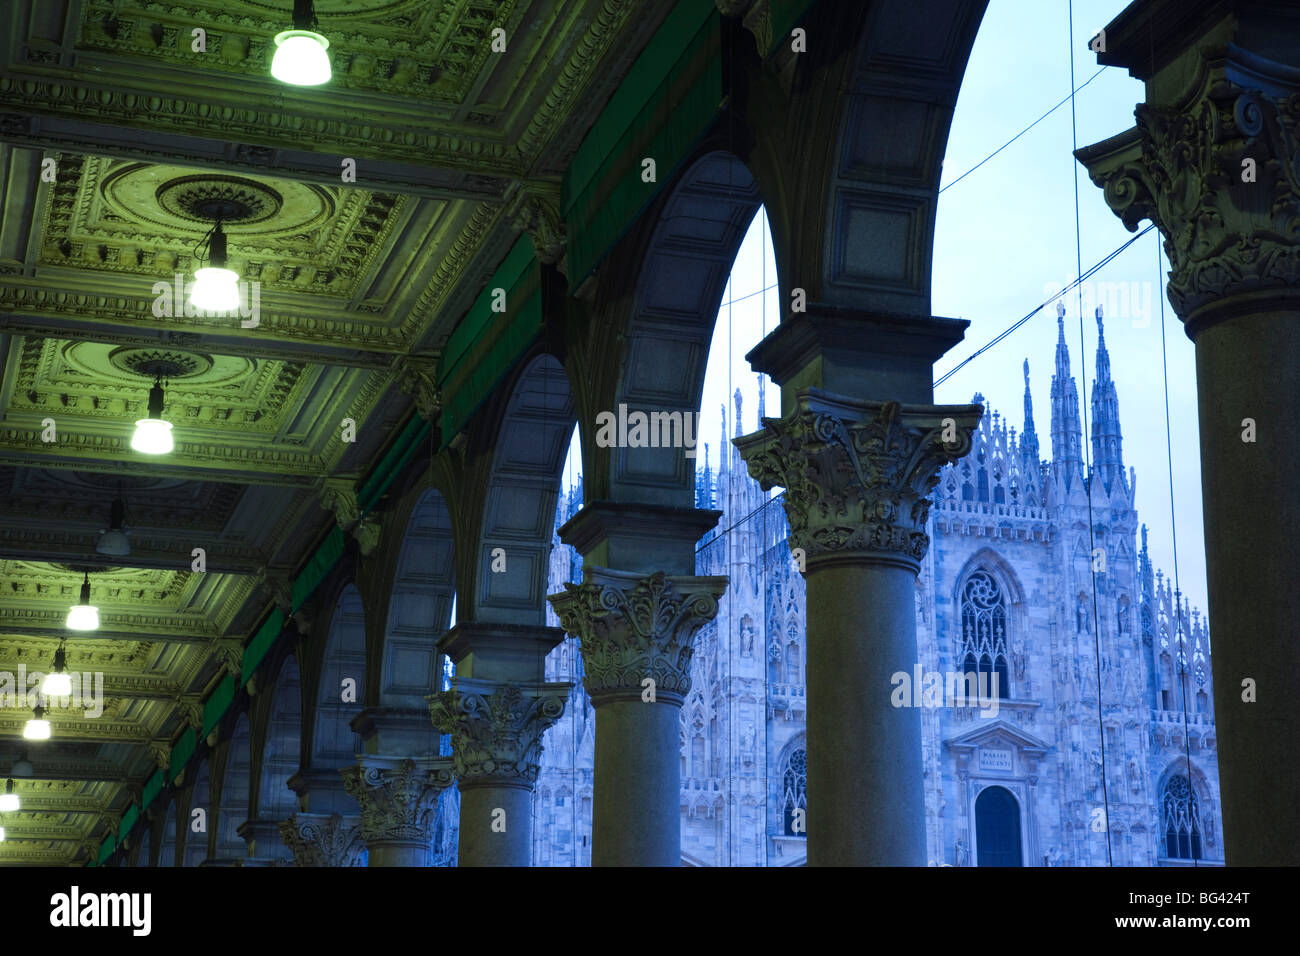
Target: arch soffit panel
[(681, 253)]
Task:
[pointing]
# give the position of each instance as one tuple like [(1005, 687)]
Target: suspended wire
[(1087, 457), (1083, 277), (1068, 99)]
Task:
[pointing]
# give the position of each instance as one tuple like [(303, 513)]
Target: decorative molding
[(398, 797), (496, 729), (858, 474), (634, 626)]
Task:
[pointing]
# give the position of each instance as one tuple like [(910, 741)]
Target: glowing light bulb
[(300, 58)]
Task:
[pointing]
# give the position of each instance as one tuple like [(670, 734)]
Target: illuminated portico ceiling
[(146, 138)]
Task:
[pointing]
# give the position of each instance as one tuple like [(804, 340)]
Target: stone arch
[(868, 114), (143, 850), (280, 747), (419, 606), (681, 252), (166, 855), (332, 743), (230, 800), (533, 432), (276, 757)]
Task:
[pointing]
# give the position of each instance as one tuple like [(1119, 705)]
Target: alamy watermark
[(173, 301), (22, 691), (946, 689), (657, 429), (1118, 300)]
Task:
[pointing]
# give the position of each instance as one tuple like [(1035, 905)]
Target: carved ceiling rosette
[(398, 797), (858, 474), (319, 840), (633, 626), (1189, 170), (496, 729)]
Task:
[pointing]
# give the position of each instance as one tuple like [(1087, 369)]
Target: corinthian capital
[(318, 839), (857, 474), (1218, 175), (634, 627), (398, 796), (496, 729)]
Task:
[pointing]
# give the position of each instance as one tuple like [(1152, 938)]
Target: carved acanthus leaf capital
[(858, 474), (1219, 178), (496, 729), (417, 376), (160, 752), (316, 839), (535, 210), (398, 797), (230, 652), (276, 584), (634, 627), (339, 495), (191, 708)]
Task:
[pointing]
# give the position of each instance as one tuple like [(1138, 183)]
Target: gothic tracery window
[(1181, 819), (984, 632), (794, 785)]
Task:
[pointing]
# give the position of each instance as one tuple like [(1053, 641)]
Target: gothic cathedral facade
[(1091, 739)]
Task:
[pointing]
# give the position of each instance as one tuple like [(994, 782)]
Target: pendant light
[(83, 616), (113, 540), (153, 435), (300, 58), (215, 288), (37, 728), (57, 682), (9, 800)]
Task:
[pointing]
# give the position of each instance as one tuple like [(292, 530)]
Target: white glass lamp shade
[(153, 436), (58, 684), (215, 289), (2, 834), (114, 542), (9, 801), (300, 58), (83, 617), (38, 728)]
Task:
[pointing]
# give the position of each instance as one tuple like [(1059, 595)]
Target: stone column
[(496, 738), (320, 839), (637, 632), (1214, 162), (398, 798), (856, 475)]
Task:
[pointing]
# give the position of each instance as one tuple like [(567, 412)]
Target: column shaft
[(866, 803), (637, 788), (1247, 368), (496, 826)]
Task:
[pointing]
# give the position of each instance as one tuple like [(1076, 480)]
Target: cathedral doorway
[(997, 828)]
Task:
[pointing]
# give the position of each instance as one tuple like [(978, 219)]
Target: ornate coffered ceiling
[(120, 139)]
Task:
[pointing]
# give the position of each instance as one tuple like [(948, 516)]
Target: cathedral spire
[(1029, 440), (1067, 434), (1107, 455)]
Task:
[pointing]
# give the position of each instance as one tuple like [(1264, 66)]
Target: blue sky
[(1005, 235)]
